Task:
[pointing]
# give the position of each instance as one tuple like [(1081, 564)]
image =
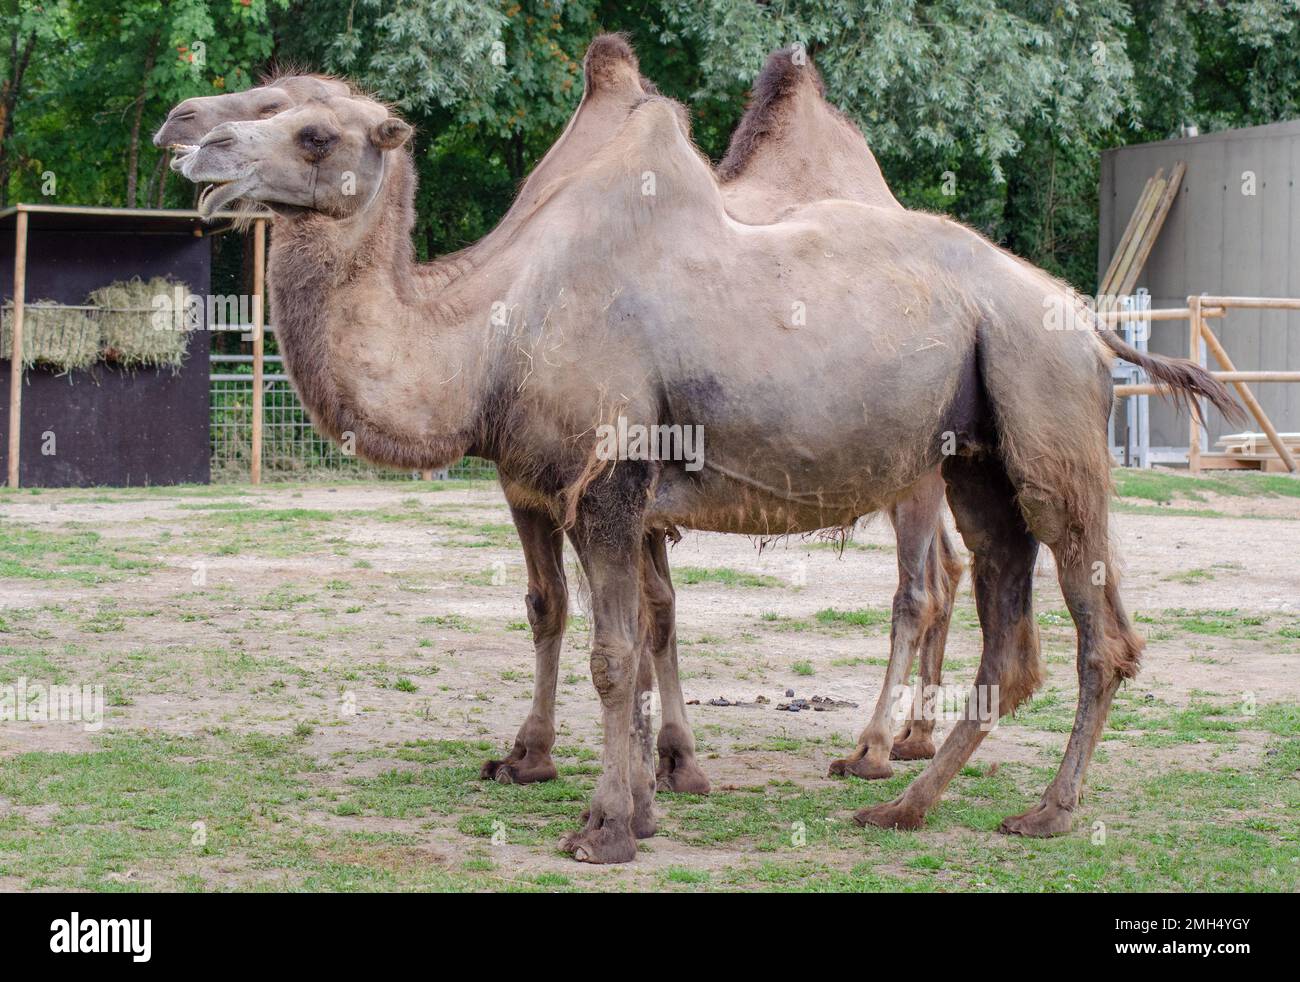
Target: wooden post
[(1248, 397), (259, 284), (1194, 353), (16, 359)]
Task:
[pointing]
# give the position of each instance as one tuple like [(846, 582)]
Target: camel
[(791, 148), (920, 336), (610, 74)]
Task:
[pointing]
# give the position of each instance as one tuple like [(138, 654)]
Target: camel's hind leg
[(943, 571), (678, 771), (917, 607), (1108, 653), (529, 760), (994, 530)]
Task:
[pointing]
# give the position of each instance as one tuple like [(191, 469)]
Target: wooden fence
[(1201, 339)]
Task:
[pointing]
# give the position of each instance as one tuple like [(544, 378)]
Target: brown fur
[(1183, 380), (792, 147), (769, 101)]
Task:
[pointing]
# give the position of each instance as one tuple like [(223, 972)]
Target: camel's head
[(326, 155), (187, 123)]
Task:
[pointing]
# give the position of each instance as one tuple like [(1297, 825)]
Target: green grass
[(693, 575), (122, 817), (1164, 486), (1218, 623), (1195, 792), (866, 617), (81, 556)]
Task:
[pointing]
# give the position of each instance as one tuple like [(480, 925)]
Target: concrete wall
[(1219, 240)]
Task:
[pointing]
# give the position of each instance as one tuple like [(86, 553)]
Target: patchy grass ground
[(302, 682)]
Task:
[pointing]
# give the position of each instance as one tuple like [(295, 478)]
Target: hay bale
[(128, 331), (59, 337)]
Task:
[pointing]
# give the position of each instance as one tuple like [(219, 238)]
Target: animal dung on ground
[(818, 704), (723, 701)]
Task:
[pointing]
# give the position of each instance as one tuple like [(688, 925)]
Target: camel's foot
[(644, 825), (678, 771), (863, 767), (527, 768), (891, 815), (912, 748), (1040, 822), (607, 841), (681, 775)]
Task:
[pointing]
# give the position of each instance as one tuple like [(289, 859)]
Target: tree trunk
[(20, 56), (515, 158), (162, 183), (156, 179), (133, 155)]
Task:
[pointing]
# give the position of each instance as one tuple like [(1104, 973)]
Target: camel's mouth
[(179, 152), (218, 194)]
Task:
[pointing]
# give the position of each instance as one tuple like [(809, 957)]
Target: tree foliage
[(993, 110)]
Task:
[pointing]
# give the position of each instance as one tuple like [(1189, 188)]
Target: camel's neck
[(387, 355)]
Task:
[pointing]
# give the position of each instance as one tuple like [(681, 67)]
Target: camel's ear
[(390, 134)]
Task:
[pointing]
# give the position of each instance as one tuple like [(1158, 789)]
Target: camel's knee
[(613, 669), (1115, 654), (1109, 647), (911, 605), (548, 610)]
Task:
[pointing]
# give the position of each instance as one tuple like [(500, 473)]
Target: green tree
[(995, 111)]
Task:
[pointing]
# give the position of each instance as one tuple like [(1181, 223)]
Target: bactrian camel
[(663, 309), (790, 148)]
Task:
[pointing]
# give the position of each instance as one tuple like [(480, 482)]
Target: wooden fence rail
[(1200, 309)]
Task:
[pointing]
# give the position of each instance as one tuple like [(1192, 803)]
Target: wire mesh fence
[(292, 449)]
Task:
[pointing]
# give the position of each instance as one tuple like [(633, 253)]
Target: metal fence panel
[(292, 449)]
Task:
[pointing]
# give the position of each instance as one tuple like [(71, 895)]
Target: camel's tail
[(1185, 380)]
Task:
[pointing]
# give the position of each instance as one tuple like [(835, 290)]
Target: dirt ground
[(303, 679)]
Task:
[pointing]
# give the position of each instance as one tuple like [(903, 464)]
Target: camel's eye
[(317, 142)]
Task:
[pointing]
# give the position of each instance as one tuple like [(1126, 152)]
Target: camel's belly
[(717, 499)]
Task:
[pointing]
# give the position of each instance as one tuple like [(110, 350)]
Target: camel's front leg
[(917, 606), (678, 769), (529, 759), (609, 530)]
